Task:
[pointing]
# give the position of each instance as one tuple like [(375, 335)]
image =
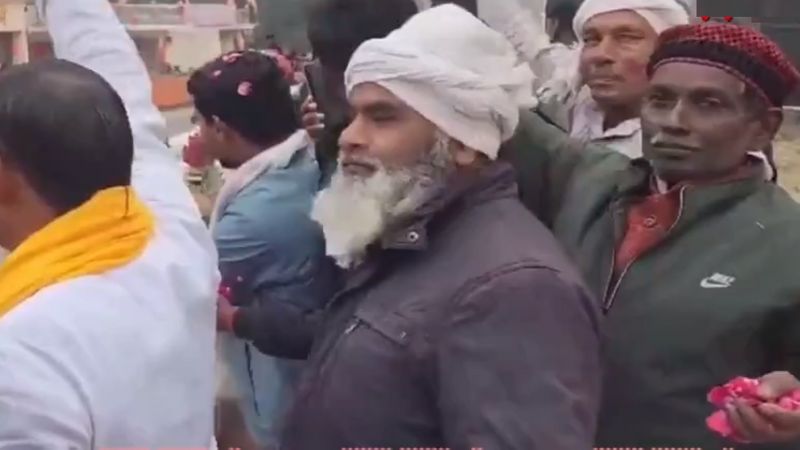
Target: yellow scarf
[(110, 230)]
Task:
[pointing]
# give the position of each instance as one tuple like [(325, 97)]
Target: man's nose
[(677, 116), (353, 138), (674, 121), (601, 53)]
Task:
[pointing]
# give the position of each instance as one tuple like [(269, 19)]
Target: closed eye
[(629, 37), (660, 99), (709, 103), (382, 117)]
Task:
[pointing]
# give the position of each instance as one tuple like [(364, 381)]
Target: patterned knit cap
[(741, 51)]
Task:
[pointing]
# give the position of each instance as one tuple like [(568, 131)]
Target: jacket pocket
[(390, 326)]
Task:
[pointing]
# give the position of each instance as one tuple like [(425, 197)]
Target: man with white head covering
[(595, 91), (592, 89), (616, 39), (462, 324)]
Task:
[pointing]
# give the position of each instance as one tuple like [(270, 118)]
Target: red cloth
[(745, 389), (226, 312), (648, 223), (193, 153), (650, 219)]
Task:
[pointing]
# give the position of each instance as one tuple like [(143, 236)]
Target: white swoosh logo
[(709, 284)]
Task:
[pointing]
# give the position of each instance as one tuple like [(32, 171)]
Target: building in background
[(174, 37), (13, 33), (284, 22)]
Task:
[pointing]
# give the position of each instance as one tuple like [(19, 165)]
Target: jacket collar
[(639, 177), (277, 157), (492, 182), (698, 199)]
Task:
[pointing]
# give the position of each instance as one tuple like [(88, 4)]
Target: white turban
[(660, 14), (455, 71), (565, 82)]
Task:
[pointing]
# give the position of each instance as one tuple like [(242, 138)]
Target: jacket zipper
[(303, 395), (336, 347), (332, 351), (249, 358), (611, 296), (607, 300)]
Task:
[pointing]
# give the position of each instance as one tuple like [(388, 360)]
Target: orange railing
[(169, 91)]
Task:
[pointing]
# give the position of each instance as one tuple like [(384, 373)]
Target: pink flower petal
[(719, 423), (746, 390), (787, 403), (719, 396), (216, 73), (245, 88), (740, 388), (230, 57)]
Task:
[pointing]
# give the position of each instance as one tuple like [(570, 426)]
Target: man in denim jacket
[(267, 244)]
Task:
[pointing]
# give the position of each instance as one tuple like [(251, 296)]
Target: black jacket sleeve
[(278, 328)]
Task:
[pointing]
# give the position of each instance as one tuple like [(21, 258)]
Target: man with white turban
[(594, 90), (462, 324), (605, 74)]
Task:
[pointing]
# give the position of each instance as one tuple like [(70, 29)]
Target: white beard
[(354, 212)]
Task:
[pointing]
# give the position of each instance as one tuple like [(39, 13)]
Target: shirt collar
[(747, 170), (588, 118), (498, 180)]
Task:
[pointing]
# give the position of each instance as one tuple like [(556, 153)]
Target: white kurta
[(125, 359)]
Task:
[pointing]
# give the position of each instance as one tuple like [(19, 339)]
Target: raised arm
[(522, 22), (88, 32), (548, 162)]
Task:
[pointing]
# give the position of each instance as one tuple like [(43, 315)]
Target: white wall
[(227, 42), (12, 17), (191, 49)]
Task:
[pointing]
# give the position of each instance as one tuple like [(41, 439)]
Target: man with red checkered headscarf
[(691, 251)]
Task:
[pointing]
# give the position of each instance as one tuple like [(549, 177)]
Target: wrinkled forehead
[(617, 21), (682, 76)]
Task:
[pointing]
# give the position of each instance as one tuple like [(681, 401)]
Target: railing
[(199, 15), (243, 17), (150, 14), (32, 16)]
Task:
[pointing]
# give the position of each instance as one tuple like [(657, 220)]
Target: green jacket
[(719, 298)]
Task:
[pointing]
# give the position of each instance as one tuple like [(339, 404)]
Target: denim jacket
[(266, 238)]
